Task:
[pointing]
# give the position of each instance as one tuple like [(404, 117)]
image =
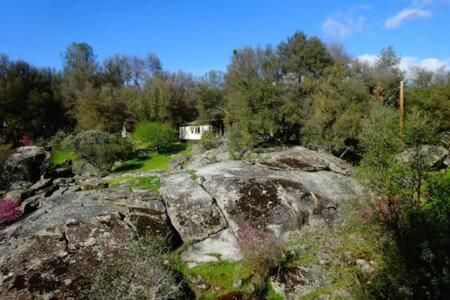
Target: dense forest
[(302, 91)]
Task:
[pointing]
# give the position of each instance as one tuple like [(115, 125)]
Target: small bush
[(9, 211), (156, 137), (4, 154), (56, 141), (139, 274), (262, 251), (210, 140), (386, 210), (99, 148)]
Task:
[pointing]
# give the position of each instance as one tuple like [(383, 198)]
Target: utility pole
[(402, 108)]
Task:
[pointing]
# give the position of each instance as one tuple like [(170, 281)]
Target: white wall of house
[(193, 132)]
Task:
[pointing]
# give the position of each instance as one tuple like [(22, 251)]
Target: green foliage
[(169, 97), (271, 294), (4, 154), (420, 129), (192, 174), (210, 140), (210, 101), (156, 137), (417, 261), (60, 156), (433, 98), (410, 204), (101, 108), (29, 101), (381, 141), (99, 148), (220, 276), (350, 238), (304, 56), (140, 273)]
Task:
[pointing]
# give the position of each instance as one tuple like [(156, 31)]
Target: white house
[(194, 130)]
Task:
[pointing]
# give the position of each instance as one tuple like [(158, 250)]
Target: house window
[(197, 130)]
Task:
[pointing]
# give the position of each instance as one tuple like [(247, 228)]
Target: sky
[(200, 35)]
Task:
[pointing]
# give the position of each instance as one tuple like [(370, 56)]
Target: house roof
[(200, 122)]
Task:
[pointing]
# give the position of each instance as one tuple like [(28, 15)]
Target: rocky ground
[(71, 225)]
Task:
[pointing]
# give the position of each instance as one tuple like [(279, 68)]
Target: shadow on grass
[(152, 161), (130, 166), (175, 148)]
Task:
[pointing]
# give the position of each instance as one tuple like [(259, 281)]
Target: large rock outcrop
[(49, 253), (279, 191), (27, 164), (143, 210), (277, 199), (430, 156), (192, 211), (303, 159), (221, 246), (67, 233)]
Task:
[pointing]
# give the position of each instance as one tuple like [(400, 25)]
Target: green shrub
[(418, 260), (4, 153), (156, 137), (56, 140), (210, 140), (411, 205), (99, 148)]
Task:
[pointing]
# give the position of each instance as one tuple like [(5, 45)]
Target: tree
[(252, 96), (102, 108), (210, 102), (306, 57), (29, 101), (79, 70)]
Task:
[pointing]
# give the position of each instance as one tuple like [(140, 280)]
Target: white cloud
[(334, 28), (405, 15), (429, 64), (341, 27), (407, 63), (371, 59)]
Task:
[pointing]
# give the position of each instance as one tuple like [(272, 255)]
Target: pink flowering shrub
[(26, 141), (9, 211), (263, 251), (385, 210)]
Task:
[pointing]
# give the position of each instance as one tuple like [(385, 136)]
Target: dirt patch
[(232, 296), (291, 277)]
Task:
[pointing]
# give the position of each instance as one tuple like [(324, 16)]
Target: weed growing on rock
[(263, 252), (140, 273)]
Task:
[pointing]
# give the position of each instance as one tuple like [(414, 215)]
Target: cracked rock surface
[(66, 234), (192, 211)]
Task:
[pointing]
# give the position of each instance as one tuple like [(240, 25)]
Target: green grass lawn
[(219, 276), (58, 156), (157, 161)]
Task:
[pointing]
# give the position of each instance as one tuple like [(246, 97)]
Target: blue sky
[(199, 35)]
